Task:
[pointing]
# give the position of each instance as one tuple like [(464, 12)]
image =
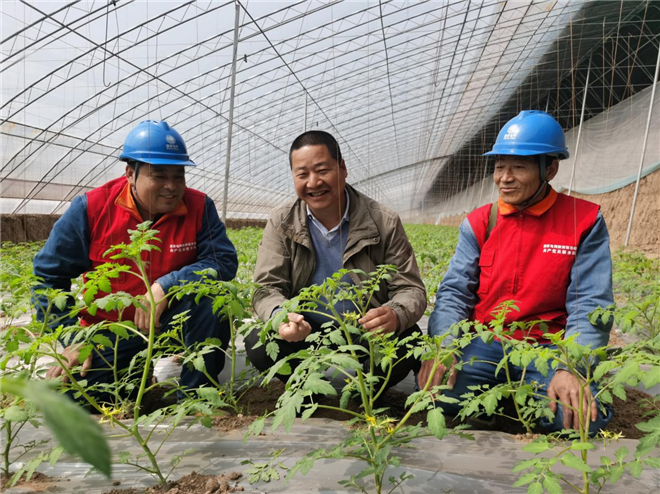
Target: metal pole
[(231, 113), (577, 144), (646, 138), (305, 123)]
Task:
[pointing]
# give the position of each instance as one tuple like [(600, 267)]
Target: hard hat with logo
[(531, 133), (156, 143)]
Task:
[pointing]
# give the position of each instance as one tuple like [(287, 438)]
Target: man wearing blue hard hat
[(192, 239), (544, 250)]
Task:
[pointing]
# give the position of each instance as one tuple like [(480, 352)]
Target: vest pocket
[(485, 267)]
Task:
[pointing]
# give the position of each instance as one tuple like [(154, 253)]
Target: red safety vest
[(111, 212), (528, 258)]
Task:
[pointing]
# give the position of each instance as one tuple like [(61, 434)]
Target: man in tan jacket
[(332, 226)]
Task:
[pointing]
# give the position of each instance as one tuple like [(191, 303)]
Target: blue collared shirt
[(329, 234)]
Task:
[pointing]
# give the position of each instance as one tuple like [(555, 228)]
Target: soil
[(193, 483), (630, 412), (615, 206), (38, 481), (260, 400)]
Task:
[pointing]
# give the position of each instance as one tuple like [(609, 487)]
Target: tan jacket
[(286, 260)]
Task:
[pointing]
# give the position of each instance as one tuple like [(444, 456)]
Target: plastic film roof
[(402, 85)]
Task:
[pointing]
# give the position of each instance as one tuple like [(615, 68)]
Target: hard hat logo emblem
[(171, 143), (512, 133)]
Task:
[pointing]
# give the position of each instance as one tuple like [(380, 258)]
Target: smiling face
[(158, 189), (320, 181), (517, 177)]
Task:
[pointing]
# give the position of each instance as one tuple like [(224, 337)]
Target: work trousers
[(202, 324), (482, 372), (263, 362)]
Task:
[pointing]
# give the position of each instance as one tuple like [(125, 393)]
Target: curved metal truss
[(404, 86)]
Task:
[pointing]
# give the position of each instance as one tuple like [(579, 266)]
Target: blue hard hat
[(156, 143), (531, 133)]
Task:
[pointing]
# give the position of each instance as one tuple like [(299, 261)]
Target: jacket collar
[(535, 209), (125, 201), (361, 225)]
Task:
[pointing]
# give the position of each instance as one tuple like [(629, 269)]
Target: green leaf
[(621, 454), (104, 285), (525, 479), (73, 428), (524, 465), (619, 392), (287, 412), (119, 330), (102, 340), (490, 402), (436, 422), (60, 301), (255, 427), (337, 337), (309, 412), (538, 446), (635, 468), (651, 377), (578, 446), (616, 473), (15, 413), (346, 362), (551, 485), (272, 350), (199, 364), (55, 455), (604, 368), (535, 488), (85, 352), (575, 463), (317, 384)]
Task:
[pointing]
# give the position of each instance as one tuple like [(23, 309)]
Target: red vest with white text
[(111, 212), (528, 258)]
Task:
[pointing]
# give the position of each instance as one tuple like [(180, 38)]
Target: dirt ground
[(193, 483), (615, 206), (257, 401), (38, 482)]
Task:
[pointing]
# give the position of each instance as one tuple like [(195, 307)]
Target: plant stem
[(150, 345), (5, 453), (232, 342), (405, 418), (507, 371), (337, 409)]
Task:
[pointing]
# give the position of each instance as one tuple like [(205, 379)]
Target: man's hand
[(70, 354), (380, 318), (436, 380), (142, 317), (565, 387), (297, 329)]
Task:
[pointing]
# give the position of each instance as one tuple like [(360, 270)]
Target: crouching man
[(546, 251), (192, 239), (329, 227)]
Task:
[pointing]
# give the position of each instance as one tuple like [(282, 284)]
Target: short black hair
[(316, 138)]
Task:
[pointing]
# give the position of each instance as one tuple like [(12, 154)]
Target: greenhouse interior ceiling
[(415, 92)]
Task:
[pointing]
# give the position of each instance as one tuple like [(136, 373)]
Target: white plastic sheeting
[(399, 83), (610, 152)]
